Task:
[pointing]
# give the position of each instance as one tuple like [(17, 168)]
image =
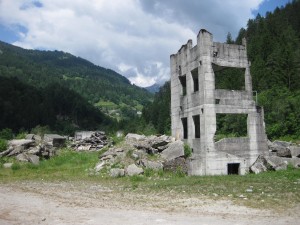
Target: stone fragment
[(7, 165), (175, 165), (22, 157), (20, 142), (116, 172), (134, 170), (34, 159), (55, 139), (295, 151), (134, 137), (174, 150), (99, 166), (151, 164), (35, 150)]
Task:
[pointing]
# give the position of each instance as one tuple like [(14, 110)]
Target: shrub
[(21, 135), (3, 145), (187, 150), (6, 134)]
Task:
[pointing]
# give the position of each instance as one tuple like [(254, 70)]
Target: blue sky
[(132, 37)]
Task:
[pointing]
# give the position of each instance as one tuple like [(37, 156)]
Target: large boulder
[(132, 170), (151, 164), (175, 150)]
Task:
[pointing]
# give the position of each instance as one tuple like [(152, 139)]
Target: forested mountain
[(63, 92), (273, 44), (102, 87)]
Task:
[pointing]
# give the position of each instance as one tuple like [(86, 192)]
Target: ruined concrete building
[(195, 104)]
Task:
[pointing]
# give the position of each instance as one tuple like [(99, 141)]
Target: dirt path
[(82, 203)]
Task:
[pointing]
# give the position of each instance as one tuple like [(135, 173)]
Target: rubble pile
[(281, 154), (141, 152), (89, 141), (33, 147)]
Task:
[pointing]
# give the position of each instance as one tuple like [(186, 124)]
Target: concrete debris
[(174, 151), (280, 148), (176, 165), (55, 139), (33, 147), (151, 152), (151, 164), (295, 151), (90, 141), (134, 137), (269, 163), (132, 170), (116, 172)]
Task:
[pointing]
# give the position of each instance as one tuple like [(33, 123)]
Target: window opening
[(183, 84), (195, 79), (197, 125), (231, 125), (229, 78), (185, 127)]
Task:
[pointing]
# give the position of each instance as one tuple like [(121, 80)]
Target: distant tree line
[(23, 107)]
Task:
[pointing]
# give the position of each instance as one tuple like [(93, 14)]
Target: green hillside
[(99, 86)]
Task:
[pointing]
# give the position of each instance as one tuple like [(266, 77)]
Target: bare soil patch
[(75, 202)]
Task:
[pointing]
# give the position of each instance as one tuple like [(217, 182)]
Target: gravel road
[(90, 203)]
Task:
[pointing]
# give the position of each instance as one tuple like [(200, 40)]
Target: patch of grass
[(276, 189), (67, 164), (3, 145), (15, 166)]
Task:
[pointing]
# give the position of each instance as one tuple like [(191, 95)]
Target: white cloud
[(133, 37)]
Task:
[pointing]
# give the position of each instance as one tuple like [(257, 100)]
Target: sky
[(133, 37)]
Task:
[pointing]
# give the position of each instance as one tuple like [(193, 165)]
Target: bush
[(3, 145), (6, 134), (187, 150)]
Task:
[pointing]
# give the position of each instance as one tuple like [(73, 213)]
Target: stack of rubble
[(89, 141), (281, 154), (140, 152), (33, 147)]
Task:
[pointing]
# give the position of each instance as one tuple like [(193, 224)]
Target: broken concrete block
[(116, 172), (134, 170), (175, 150)]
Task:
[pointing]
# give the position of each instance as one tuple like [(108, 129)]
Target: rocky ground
[(39, 202)]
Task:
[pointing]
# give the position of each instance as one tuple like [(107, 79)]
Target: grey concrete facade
[(195, 103)]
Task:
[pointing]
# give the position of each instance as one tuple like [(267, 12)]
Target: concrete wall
[(205, 57)]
